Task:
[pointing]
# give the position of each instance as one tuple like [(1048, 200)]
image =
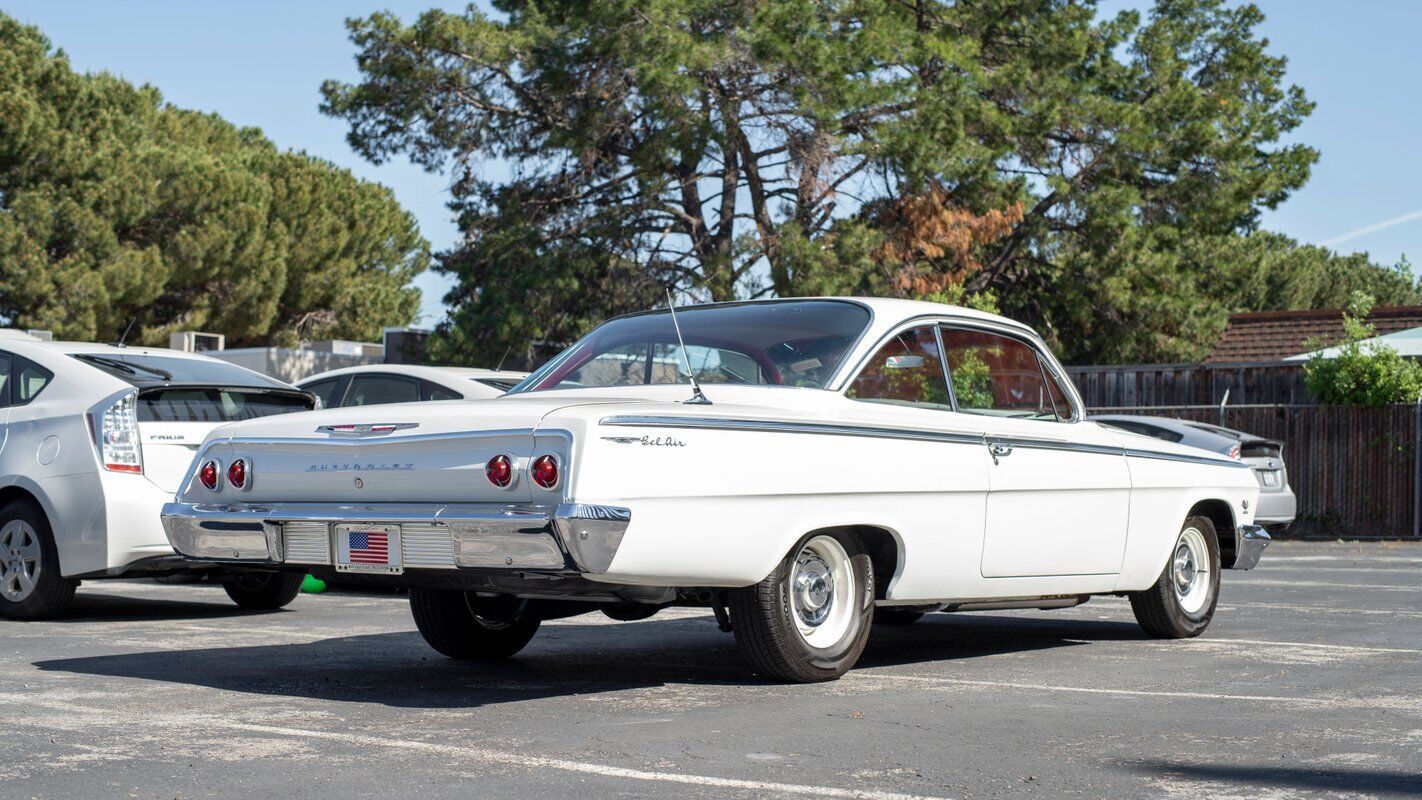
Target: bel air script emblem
[(646, 441)]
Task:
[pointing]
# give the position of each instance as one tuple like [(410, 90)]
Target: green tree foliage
[(115, 206), (739, 149), (1361, 373)]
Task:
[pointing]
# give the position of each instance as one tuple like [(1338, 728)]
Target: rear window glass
[(374, 390), (141, 369), (215, 405), (502, 384), (325, 390)]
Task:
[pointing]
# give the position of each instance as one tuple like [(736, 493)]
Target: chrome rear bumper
[(570, 537), (1249, 544)]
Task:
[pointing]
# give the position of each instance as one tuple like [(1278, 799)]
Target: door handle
[(999, 450)]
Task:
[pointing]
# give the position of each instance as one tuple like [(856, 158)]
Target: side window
[(1001, 376), (28, 380), (434, 391), (325, 390), (627, 365), (905, 371), (372, 390), (5, 359)]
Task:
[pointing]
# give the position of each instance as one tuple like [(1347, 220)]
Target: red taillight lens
[(208, 475), (237, 473), (500, 471), (545, 472)]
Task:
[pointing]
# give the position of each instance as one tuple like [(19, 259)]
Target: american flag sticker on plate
[(368, 548)]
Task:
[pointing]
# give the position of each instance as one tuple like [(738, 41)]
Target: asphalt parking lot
[(1309, 683)]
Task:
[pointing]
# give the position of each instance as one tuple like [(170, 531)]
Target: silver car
[(1277, 503)]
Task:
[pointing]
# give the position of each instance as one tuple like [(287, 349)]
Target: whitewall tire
[(809, 619), (1182, 601)]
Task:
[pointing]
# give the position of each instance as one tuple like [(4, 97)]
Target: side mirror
[(903, 362)]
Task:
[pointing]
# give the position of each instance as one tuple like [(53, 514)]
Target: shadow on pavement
[(398, 669), (90, 607), (1366, 781)]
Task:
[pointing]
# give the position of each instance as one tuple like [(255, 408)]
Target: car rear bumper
[(1249, 544), (1276, 507), (567, 538)]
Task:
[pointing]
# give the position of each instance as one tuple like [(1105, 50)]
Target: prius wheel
[(465, 626), (808, 619), (263, 591), (1182, 601), (31, 586)]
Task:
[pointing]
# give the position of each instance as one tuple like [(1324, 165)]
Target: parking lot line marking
[(1317, 584), (1272, 559), (1403, 703), (1305, 645), (502, 757), (1388, 612), (1356, 568)]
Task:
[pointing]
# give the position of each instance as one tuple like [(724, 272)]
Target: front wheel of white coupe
[(808, 620), (1182, 601)]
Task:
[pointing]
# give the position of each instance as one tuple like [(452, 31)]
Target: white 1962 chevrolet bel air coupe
[(849, 461)]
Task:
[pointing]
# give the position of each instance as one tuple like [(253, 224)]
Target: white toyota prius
[(94, 439)]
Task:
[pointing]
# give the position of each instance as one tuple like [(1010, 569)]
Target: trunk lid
[(433, 452)]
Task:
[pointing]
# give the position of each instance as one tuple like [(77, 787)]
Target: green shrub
[(1362, 374)]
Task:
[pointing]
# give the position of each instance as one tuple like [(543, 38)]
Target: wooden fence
[(1190, 384), (1353, 469)]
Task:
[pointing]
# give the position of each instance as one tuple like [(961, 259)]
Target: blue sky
[(261, 63)]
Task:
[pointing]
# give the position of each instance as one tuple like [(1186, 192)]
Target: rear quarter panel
[(1164, 491), (721, 508)]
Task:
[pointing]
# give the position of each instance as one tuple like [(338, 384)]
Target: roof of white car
[(421, 371), (96, 347)]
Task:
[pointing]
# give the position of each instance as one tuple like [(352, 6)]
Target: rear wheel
[(808, 619), (1182, 601), (465, 626), (263, 591), (31, 586)]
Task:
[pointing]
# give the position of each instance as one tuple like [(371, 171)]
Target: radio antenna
[(123, 338), (698, 397)]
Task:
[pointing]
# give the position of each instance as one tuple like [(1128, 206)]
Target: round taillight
[(545, 471), (500, 471), (208, 475), (237, 473)]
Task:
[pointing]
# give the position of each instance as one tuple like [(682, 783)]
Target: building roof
[(1407, 342), (1276, 335)]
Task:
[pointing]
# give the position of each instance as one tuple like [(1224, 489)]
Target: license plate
[(368, 548), (1270, 479)]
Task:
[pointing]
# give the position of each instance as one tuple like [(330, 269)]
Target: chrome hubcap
[(823, 589), (1191, 570), (814, 589), (1184, 568), (19, 560)]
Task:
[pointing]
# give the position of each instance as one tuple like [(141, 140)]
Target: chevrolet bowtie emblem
[(367, 429)]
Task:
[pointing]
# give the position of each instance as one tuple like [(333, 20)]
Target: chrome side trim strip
[(1189, 459), (356, 441), (778, 426), (1054, 444), (828, 429)]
